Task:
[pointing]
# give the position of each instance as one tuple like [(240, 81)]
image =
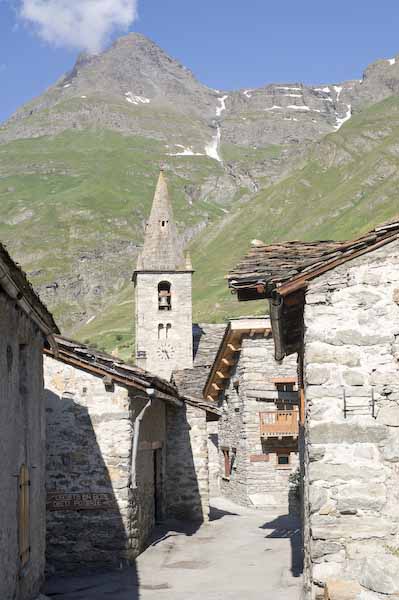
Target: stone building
[(120, 456), (336, 304), (124, 450), (127, 447), (163, 296), (191, 382), (259, 427), (24, 326)]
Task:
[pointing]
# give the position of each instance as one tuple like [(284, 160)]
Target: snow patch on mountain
[(222, 107), (136, 99), (274, 107), (212, 149), (323, 89), (283, 87), (392, 61), (342, 120), (247, 93), (185, 152), (338, 89), (295, 107)]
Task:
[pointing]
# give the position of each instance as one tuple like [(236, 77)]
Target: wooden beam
[(216, 387), (234, 348), (228, 363), (220, 375), (284, 379)]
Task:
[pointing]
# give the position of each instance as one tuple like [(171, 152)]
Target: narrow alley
[(242, 554)]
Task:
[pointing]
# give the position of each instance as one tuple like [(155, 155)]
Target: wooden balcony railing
[(279, 423)]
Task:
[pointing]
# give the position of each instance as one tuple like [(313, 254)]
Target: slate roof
[(206, 341), (114, 370), (289, 265), (162, 250), (16, 284)]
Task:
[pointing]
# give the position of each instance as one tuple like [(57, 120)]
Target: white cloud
[(81, 24)]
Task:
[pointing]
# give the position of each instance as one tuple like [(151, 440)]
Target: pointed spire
[(189, 264), (162, 250)]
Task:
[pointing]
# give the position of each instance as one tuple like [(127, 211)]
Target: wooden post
[(302, 406)]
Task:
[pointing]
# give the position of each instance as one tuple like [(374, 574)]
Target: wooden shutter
[(23, 516), (226, 456)]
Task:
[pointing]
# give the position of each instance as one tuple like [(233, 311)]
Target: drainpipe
[(136, 434)]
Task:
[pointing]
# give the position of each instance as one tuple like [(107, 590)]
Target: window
[(168, 328), (164, 223), (23, 516), (227, 466), (160, 331), (164, 296), (283, 459)]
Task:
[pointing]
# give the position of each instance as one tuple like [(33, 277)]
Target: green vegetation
[(77, 202)]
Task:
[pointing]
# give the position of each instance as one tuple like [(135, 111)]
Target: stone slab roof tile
[(292, 264)]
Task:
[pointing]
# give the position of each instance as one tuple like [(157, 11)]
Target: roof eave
[(43, 320)]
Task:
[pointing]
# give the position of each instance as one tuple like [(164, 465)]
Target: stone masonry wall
[(352, 479), (89, 450), (213, 458), (22, 442), (187, 475), (255, 478), (178, 337)]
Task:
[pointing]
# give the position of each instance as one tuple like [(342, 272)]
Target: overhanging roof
[(288, 266), (113, 370), (17, 286), (228, 353)]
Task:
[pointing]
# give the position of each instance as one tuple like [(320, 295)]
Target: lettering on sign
[(84, 501)]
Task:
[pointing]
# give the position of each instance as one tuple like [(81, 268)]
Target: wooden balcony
[(279, 423)]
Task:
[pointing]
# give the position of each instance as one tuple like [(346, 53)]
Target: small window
[(23, 516), (164, 223), (227, 465), (283, 459), (164, 296), (168, 328), (160, 331)]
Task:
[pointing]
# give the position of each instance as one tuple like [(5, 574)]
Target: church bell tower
[(163, 293)]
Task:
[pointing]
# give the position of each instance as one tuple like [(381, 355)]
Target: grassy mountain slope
[(349, 184), (74, 206), (78, 166)]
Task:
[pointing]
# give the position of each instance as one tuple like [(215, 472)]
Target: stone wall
[(255, 479), (178, 337), (187, 474), (352, 476), (22, 442), (89, 450), (213, 458)]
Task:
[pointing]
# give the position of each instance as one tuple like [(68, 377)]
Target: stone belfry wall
[(163, 332)]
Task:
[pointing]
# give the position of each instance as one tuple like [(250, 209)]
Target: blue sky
[(226, 43)]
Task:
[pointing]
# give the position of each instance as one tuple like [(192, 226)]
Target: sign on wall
[(84, 501)]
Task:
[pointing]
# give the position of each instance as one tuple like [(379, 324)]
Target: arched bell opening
[(164, 296)]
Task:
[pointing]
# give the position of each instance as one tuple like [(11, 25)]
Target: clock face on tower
[(165, 351)]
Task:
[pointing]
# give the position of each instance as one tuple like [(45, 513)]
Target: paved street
[(242, 554)]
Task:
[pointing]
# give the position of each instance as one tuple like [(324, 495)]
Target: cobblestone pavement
[(242, 554)]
